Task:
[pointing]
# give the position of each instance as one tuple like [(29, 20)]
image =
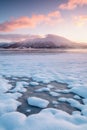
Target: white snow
[(76, 112), (72, 102), (4, 85), (81, 91), (77, 97), (85, 101), (62, 99), (28, 110), (33, 83), (54, 102), (43, 89), (63, 91), (50, 86), (54, 94), (8, 105), (47, 119), (76, 104), (38, 102), (70, 68), (20, 87), (5, 96)]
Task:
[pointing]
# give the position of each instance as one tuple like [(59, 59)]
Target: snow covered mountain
[(49, 41)]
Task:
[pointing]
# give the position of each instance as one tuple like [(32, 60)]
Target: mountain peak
[(49, 41)]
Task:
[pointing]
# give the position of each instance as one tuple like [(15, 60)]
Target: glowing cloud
[(80, 20), (71, 4), (31, 22)]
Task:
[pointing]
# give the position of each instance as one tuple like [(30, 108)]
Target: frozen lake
[(23, 73), (64, 67)]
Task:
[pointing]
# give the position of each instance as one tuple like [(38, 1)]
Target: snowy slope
[(49, 41)]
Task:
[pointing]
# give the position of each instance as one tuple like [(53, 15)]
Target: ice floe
[(77, 97), (43, 89), (33, 83), (50, 86), (20, 87), (81, 91), (54, 94), (38, 102)]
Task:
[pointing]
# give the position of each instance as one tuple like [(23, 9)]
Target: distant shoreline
[(56, 50)]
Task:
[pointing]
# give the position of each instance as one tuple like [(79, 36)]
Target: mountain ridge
[(49, 41)]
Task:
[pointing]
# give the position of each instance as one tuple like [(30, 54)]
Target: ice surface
[(70, 68), (38, 102)]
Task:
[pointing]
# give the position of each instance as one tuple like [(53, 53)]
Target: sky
[(20, 18)]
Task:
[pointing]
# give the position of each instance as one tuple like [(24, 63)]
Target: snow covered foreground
[(47, 119), (62, 67)]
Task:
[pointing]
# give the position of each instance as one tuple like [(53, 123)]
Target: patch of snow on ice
[(54, 94), (33, 83), (84, 111), (85, 101), (54, 102), (28, 110), (76, 112), (38, 102), (62, 99), (77, 97), (50, 86), (4, 85), (81, 91), (20, 87), (63, 91), (43, 89)]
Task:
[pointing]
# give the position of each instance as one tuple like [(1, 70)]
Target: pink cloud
[(31, 22), (53, 18), (71, 4), (80, 20)]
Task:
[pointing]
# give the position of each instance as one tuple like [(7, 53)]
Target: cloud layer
[(31, 22), (71, 4), (80, 20)]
